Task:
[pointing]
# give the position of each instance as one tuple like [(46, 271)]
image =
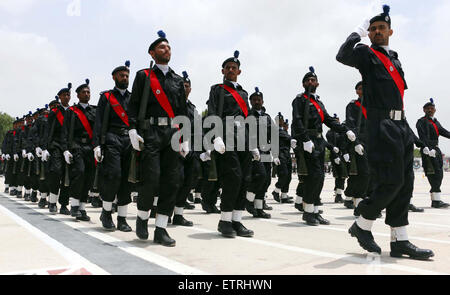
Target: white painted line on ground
[(329, 255), (74, 258)]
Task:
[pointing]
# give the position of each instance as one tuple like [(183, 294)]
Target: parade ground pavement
[(33, 241)]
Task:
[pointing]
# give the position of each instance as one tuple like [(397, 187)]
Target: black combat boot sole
[(166, 244), (228, 235), (109, 228), (400, 255), (124, 228), (360, 244)]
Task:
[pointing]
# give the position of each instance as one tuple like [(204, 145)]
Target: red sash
[(14, 133), (83, 119), (160, 94), (117, 107), (392, 71), (319, 109), (435, 126), (240, 101), (364, 111), (59, 115)]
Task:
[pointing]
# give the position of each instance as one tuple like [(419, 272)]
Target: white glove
[(426, 151), (98, 154), (16, 157), (347, 158), (24, 153), (433, 153), (30, 157), (293, 143), (256, 155), (308, 146), (276, 161), (184, 149), (359, 149), (38, 152), (219, 146), (337, 161), (206, 156), (336, 150), (135, 139), (351, 136), (7, 157), (45, 155), (363, 29), (68, 157)]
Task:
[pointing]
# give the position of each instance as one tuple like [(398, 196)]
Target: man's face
[(121, 79), (231, 71), (359, 91), (311, 83), (161, 53), (29, 120), (379, 33), (187, 88), (84, 95), (64, 98), (429, 111), (285, 126), (257, 102)]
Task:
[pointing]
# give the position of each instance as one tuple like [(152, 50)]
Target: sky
[(47, 43)]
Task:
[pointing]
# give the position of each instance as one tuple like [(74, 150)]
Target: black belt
[(121, 131), (379, 114), (157, 121)]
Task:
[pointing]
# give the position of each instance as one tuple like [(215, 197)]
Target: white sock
[(74, 202), (44, 195), (95, 195), (134, 194), (284, 195), (53, 198), (399, 234), (115, 201), (237, 215), (161, 220), (348, 198), (278, 190), (258, 204), (28, 191), (144, 215), (309, 208), (198, 195), (178, 210), (316, 209), (436, 196), (107, 206), (19, 189), (364, 224), (122, 211), (82, 206), (90, 194), (298, 200), (226, 216), (356, 201), (250, 196), (6, 185), (13, 188), (155, 201), (339, 191)]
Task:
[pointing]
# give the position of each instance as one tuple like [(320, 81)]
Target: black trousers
[(390, 153), (113, 173), (339, 183), (313, 182), (268, 168), (284, 171), (160, 171), (357, 185), (435, 179), (209, 189), (43, 183), (55, 172), (234, 169), (81, 172), (258, 180), (190, 169), (9, 176)]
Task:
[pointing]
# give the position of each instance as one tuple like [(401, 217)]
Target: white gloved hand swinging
[(135, 139)]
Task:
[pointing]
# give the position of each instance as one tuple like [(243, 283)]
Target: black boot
[(310, 219), (259, 213), (206, 207), (107, 222), (33, 197), (114, 208), (26, 197), (180, 220), (250, 207), (299, 207), (438, 204), (141, 228), (356, 212), (52, 208), (6, 191), (400, 248), (64, 210), (349, 204), (197, 201), (89, 200), (19, 194), (135, 199), (190, 197), (122, 224), (338, 199), (42, 203), (75, 211), (12, 192), (96, 202), (286, 201), (214, 209), (321, 219), (413, 208), (84, 216), (153, 212), (241, 230), (162, 237), (365, 238), (266, 207), (226, 228), (188, 206), (276, 196)]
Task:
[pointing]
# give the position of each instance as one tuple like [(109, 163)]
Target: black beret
[(310, 74), (186, 78), (162, 37), (67, 89), (430, 103), (384, 17), (357, 84), (234, 59), (257, 93), (126, 67), (82, 86)]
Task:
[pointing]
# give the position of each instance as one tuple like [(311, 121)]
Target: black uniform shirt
[(427, 132), (79, 132)]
